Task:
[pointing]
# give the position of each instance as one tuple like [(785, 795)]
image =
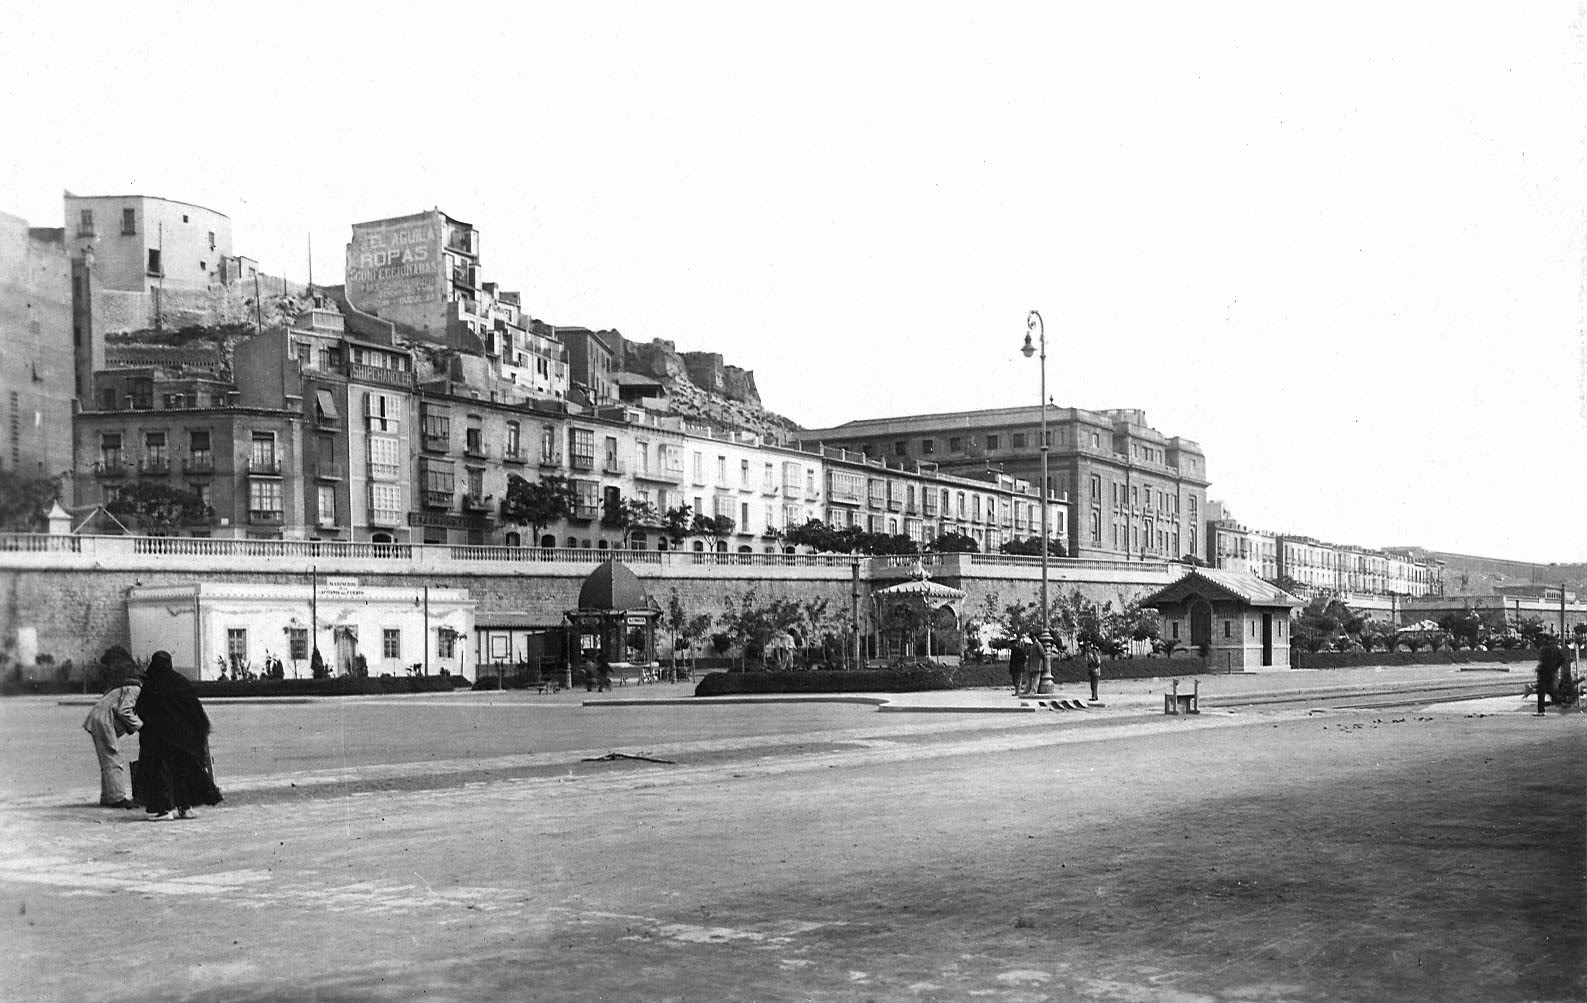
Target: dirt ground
[(1423, 855)]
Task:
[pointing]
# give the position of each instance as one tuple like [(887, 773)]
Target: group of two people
[(173, 773), (1023, 669)]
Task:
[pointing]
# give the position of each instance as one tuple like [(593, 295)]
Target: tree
[(1195, 562), (716, 528), (627, 515), (25, 501), (1288, 584), (537, 505), (1030, 546), (158, 508), (954, 543), (675, 524), (1464, 628), (816, 535), (686, 629)]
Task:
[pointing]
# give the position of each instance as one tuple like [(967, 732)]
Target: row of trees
[(820, 537), (775, 629), (552, 499), (1108, 625), (1326, 624)]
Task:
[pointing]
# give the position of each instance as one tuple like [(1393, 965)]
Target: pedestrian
[(174, 765), (1034, 662), (1549, 661), (603, 671), (114, 715), (1093, 668), (1016, 663), (587, 667)]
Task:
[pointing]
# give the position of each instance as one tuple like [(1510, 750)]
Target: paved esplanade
[(849, 854)]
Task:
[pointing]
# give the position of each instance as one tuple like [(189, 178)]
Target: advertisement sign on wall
[(396, 263)]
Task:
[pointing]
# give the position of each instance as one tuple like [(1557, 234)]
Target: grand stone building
[(1132, 492)]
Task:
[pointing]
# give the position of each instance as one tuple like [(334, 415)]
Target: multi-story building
[(592, 360), (921, 502), (37, 384), (241, 457), (1133, 492), (533, 361), (421, 273), (140, 243)]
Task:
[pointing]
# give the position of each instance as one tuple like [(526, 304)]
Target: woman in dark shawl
[(173, 747)]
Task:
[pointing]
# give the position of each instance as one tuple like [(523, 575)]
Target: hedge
[(1353, 659), (912, 680), (333, 686)]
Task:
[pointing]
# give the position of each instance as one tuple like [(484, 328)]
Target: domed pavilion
[(615, 616)]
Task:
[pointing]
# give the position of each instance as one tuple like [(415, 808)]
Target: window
[(212, 240), (297, 644), (991, 442), (721, 470), (513, 449), (928, 445), (327, 505), (955, 445), (474, 441), (581, 443), (383, 412), (129, 222), (384, 462), (154, 453), (446, 643), (1096, 489), (154, 261), (1226, 629), (1019, 440), (390, 643), (1174, 627), (699, 468), (1094, 440), (263, 455), (612, 465), (385, 501), (743, 473), (85, 223), (898, 448), (264, 500), (237, 646)]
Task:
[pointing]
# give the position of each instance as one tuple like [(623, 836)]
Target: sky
[(1341, 246)]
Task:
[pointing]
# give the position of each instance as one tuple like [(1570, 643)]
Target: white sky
[(1342, 247)]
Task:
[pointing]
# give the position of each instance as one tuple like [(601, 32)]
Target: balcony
[(586, 511), (384, 517), (476, 450), (263, 466), (550, 458), (612, 465), (476, 503), (661, 476), (513, 456), (198, 465), (583, 461), (895, 505), (265, 516), (154, 466), (329, 470), (110, 468), (436, 443), (438, 499)]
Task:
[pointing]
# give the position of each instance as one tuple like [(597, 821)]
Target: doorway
[(1267, 639)]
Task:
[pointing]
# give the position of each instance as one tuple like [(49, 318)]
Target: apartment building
[(421, 272), (1133, 492), (141, 243)]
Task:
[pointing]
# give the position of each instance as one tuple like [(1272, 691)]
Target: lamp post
[(1033, 323)]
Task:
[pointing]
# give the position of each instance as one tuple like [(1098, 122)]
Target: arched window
[(513, 540), (548, 541), (721, 546), (746, 550), (600, 544), (380, 538), (573, 542), (699, 546)]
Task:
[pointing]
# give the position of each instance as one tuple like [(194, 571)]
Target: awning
[(327, 403)]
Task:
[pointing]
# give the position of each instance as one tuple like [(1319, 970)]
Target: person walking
[(603, 672), (114, 715), (1016, 663), (1093, 668), (174, 765), (1549, 661)]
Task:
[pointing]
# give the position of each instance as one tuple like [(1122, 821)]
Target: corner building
[(1133, 493)]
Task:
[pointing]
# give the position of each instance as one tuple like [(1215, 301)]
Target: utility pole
[(854, 609)]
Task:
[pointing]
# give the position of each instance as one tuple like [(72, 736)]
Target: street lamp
[(1033, 323)]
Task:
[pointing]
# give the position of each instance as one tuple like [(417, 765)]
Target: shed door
[(1267, 639), (1200, 622)]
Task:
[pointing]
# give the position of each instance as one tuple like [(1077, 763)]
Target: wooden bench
[(1177, 703)]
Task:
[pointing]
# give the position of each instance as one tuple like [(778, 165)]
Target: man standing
[(1016, 663), (114, 715), (1549, 661), (1093, 668)]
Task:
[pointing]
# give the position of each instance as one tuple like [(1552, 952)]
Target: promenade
[(950, 847)]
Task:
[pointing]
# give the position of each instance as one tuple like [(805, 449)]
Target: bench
[(1177, 703)]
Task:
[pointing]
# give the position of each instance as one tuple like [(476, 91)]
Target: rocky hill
[(702, 386)]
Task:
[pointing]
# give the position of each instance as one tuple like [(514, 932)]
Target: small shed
[(615, 617), (1241, 620), (930, 596)]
